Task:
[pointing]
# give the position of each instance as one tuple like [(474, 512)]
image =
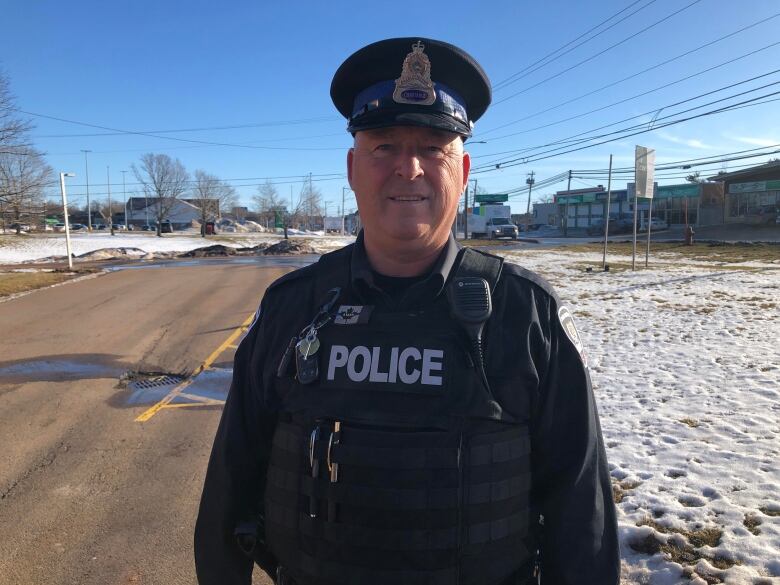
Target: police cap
[(411, 81)]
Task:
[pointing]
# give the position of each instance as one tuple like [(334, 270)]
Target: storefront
[(752, 195), (675, 204)]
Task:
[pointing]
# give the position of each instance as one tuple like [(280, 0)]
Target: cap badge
[(415, 85)]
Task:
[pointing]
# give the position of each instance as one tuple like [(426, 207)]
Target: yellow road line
[(149, 413), (201, 399), (191, 404)]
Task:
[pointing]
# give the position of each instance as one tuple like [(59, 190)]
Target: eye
[(383, 150)]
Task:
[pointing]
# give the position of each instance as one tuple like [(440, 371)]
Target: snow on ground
[(685, 362), (25, 248)]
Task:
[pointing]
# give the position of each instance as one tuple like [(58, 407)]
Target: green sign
[(674, 191), (491, 198), (278, 219)]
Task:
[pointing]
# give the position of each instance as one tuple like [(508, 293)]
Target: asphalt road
[(89, 495)]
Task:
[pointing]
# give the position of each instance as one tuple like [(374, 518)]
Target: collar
[(430, 287)]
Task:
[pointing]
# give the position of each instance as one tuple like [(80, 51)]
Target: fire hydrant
[(689, 235)]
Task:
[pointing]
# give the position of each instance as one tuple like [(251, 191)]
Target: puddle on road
[(60, 369), (208, 386)]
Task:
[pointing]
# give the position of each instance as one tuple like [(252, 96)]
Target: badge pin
[(415, 85)]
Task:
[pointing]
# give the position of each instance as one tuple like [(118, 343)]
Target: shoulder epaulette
[(533, 277)]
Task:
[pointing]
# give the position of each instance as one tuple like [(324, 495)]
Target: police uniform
[(378, 433)]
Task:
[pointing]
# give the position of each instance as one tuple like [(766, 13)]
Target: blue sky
[(166, 67)]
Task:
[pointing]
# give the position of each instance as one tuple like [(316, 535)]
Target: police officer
[(404, 411)]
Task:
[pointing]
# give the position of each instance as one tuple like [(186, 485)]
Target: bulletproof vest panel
[(397, 466)]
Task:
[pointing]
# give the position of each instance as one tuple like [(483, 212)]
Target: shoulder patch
[(567, 324)]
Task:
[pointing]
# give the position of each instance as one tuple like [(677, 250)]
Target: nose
[(408, 165)]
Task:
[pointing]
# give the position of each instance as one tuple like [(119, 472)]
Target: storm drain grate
[(157, 382)]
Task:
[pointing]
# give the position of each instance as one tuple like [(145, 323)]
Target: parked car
[(59, 227), (77, 226), (118, 226), (148, 228), (22, 227), (166, 227), (616, 226)]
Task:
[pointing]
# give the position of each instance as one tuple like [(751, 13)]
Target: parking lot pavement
[(89, 495)]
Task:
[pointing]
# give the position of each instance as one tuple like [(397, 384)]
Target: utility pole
[(530, 182), (124, 193), (473, 204), (566, 209), (65, 214), (110, 215), (343, 227), (606, 215), (466, 213), (89, 205)]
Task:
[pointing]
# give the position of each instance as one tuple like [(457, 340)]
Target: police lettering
[(409, 365)]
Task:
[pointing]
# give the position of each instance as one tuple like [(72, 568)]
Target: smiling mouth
[(408, 198)]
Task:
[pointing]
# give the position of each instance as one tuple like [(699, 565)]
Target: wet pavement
[(61, 368)]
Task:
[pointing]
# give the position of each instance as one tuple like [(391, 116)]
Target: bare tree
[(13, 128), (269, 204), (163, 180), (310, 204), (210, 195), (24, 176), (694, 178)]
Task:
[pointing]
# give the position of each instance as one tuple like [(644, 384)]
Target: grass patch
[(16, 282), (752, 522), (726, 253), (691, 422), (620, 489), (686, 554), (774, 512)]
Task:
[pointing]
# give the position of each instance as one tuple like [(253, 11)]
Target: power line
[(535, 158), (204, 128), (676, 164), (613, 46), (642, 72), (580, 138), (136, 133), (522, 73), (660, 87)]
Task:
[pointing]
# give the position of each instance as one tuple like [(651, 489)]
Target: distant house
[(143, 211)]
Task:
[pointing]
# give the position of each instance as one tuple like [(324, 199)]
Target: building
[(751, 195), (182, 213), (687, 203)]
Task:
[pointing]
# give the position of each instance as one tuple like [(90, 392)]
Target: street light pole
[(110, 215), (86, 175), (343, 210), (530, 182), (124, 194), (65, 213)]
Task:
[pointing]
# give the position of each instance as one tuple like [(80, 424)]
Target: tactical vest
[(397, 466)]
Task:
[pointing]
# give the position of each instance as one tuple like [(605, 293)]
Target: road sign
[(491, 198), (644, 170)]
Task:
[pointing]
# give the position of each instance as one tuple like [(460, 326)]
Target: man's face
[(407, 181)]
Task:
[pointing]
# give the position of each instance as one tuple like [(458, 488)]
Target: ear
[(466, 169), (350, 160)]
